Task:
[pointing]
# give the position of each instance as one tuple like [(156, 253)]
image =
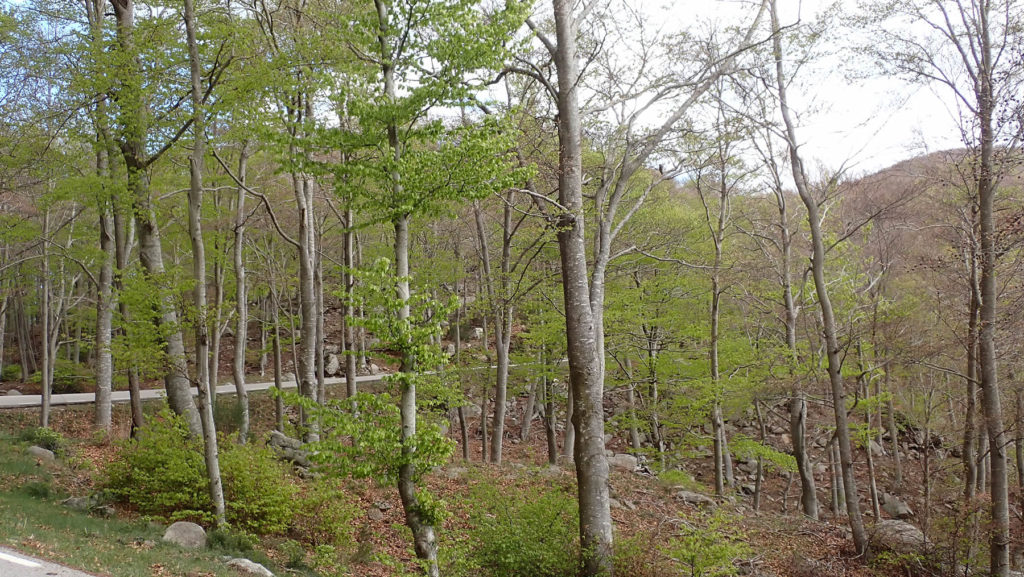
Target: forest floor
[(778, 542)]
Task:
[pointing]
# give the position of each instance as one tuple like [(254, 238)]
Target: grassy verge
[(35, 523)]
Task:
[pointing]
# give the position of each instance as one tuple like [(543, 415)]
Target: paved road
[(13, 564), (16, 401)]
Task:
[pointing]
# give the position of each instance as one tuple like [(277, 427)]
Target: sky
[(865, 124)]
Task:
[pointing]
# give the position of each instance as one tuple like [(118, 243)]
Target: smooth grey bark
[(584, 349), (1018, 440), (860, 537), (305, 369), (275, 305), (195, 230), (349, 280), (970, 427), (104, 364), (134, 150), (501, 308), (241, 297), (894, 433), (46, 383)]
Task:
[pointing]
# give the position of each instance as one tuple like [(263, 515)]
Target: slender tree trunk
[(45, 318), (278, 369), (582, 325), (860, 537), (104, 313), (241, 298), (195, 206), (349, 280), (970, 429), (1018, 440)]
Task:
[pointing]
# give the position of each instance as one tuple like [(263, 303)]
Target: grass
[(37, 524)]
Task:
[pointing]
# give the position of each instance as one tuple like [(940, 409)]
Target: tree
[(971, 49), (832, 348)]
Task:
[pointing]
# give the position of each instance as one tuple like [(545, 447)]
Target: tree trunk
[(241, 298), (582, 325), (860, 537), (349, 280), (195, 228), (134, 151), (104, 316), (45, 382)]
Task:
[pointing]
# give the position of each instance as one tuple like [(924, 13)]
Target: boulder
[(898, 537), (332, 349), (749, 466), (896, 508), (696, 499), (82, 504), (373, 369), (247, 567), (332, 365), (450, 350), (374, 514), (623, 462), (876, 449), (471, 411), (289, 449), (42, 454), (14, 393), (476, 334), (186, 534)]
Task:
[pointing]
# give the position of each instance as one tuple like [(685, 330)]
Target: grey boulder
[(186, 534)]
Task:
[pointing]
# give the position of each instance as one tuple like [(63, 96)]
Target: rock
[(373, 369), (42, 454), (786, 440), (450, 350), (821, 469), (876, 449), (289, 449), (288, 377), (383, 505), (83, 504), (332, 349), (186, 534), (696, 499), (624, 462), (374, 514), (898, 537), (13, 393), (453, 473), (476, 334), (749, 466), (247, 567), (471, 411), (615, 504), (332, 365), (896, 508), (777, 430), (748, 489), (105, 511)]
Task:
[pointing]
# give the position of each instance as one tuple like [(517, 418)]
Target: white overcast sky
[(866, 124)]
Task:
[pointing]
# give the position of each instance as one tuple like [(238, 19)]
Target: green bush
[(68, 377), (45, 437), (11, 373), (708, 548), (324, 515), (525, 534), (258, 489), (162, 474)]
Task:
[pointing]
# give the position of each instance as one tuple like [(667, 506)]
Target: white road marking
[(18, 560)]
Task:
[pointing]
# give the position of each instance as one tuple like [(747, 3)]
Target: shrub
[(708, 550), (68, 377), (324, 515), (11, 373), (45, 437), (162, 474), (529, 536), (258, 489)]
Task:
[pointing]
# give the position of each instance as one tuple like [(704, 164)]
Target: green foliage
[(45, 437), (11, 373), (746, 448), (368, 443), (525, 534), (162, 475), (679, 478), (323, 514), (708, 550), (68, 377), (161, 472)]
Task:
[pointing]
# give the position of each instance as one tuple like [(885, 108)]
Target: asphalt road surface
[(13, 564), (16, 401)]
